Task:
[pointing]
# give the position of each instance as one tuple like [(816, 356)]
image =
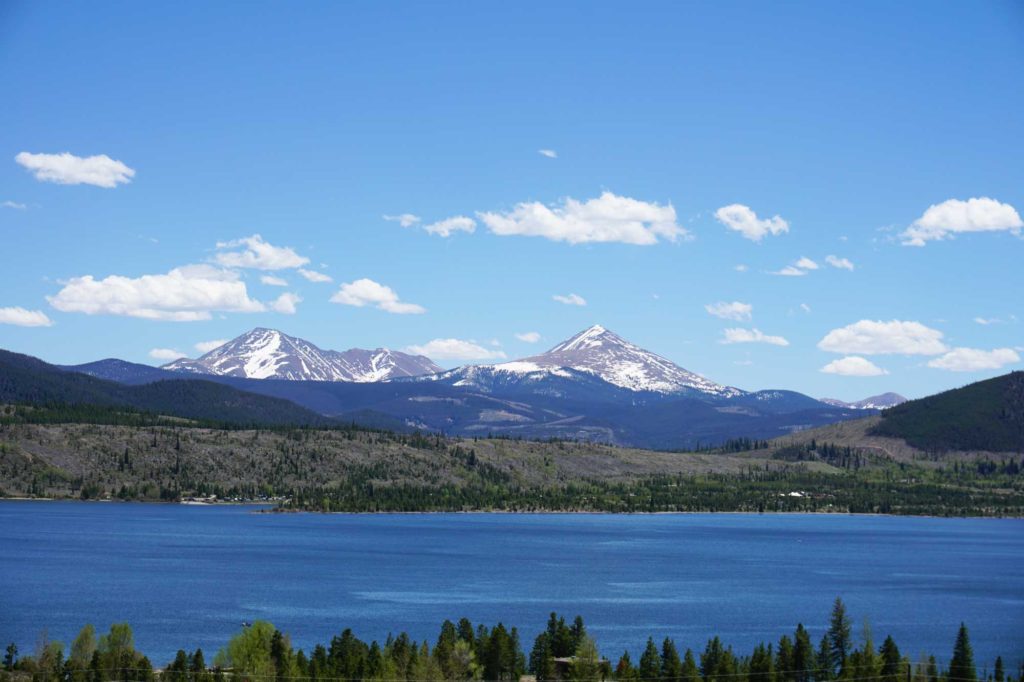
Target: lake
[(187, 576)]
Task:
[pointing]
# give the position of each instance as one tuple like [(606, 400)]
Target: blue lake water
[(186, 577)]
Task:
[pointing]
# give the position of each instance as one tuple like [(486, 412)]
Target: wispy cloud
[(974, 359), (166, 354), (315, 276), (455, 349), (272, 281), (571, 299), (449, 226), (206, 346), (739, 335), (20, 317), (255, 253), (797, 269), (730, 311), (15, 205), (529, 337), (550, 153), (403, 219), (841, 263), (68, 169)]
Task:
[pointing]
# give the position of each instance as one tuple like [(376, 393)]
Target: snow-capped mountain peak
[(595, 351), (269, 354)]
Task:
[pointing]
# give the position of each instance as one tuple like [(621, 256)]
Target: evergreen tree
[(961, 666), (784, 660), (839, 637), (803, 655), (650, 662), (892, 663), (691, 673), (671, 665), (823, 661), (1000, 674), (10, 656), (761, 668)]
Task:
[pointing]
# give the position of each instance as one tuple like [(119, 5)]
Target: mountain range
[(270, 354), (876, 402), (594, 386)]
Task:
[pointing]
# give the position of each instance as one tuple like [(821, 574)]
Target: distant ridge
[(875, 402), (25, 379)]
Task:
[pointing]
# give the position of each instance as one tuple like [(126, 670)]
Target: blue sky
[(307, 124)]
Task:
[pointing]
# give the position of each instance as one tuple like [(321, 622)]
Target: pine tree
[(650, 662), (671, 666), (961, 667), (839, 637), (891, 660)]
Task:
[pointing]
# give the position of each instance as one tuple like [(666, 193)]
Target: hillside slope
[(24, 379), (987, 415)]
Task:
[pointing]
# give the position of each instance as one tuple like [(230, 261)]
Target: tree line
[(462, 652)]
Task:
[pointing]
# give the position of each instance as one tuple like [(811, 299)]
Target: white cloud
[(404, 219), (550, 153), (951, 217), (20, 317), (258, 255), (449, 226), (797, 269), (166, 354), (363, 292), (608, 218), (841, 263), (804, 307), (529, 337), (285, 303), (314, 276), (743, 220), (571, 299), (182, 295), (206, 346), (455, 349), (730, 311), (973, 359), (272, 281), (15, 205), (995, 320), (806, 263), (68, 169), (853, 366), (738, 335), (740, 268), (874, 337)]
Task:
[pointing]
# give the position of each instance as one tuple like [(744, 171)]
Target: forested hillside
[(70, 396), (987, 415), (353, 469)]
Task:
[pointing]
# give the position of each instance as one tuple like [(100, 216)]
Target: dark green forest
[(987, 415), (463, 652)]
